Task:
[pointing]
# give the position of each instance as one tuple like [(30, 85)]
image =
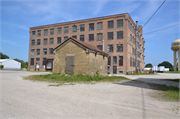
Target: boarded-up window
[(99, 36), (120, 60)]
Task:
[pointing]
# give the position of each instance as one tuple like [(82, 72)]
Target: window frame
[(52, 31), (114, 59), (43, 51), (33, 42), (45, 32), (90, 37), (110, 26), (118, 35), (109, 49), (51, 41), (39, 33), (120, 20), (50, 51), (99, 25), (66, 29), (59, 30), (98, 36), (58, 39), (38, 41), (108, 37), (38, 51), (45, 43), (118, 49), (81, 37), (91, 26)]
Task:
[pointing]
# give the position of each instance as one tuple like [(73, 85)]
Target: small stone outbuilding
[(75, 56)]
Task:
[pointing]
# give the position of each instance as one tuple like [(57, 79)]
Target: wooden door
[(69, 64)]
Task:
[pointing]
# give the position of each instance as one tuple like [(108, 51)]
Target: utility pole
[(136, 43)]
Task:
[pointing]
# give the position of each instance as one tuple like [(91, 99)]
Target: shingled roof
[(88, 46)]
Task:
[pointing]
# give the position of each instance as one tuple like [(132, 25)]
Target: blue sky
[(18, 15)]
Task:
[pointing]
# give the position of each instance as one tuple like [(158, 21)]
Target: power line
[(162, 28), (154, 13)]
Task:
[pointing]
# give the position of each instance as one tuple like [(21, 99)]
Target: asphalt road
[(22, 99)]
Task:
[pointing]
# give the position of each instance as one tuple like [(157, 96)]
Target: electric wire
[(162, 28)]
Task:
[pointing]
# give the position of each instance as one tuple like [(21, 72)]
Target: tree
[(23, 64), (149, 65), (3, 56), (166, 64)]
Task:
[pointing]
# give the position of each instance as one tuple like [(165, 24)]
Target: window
[(45, 51), (110, 24), (82, 27), (119, 47), (91, 37), (74, 28), (110, 35), (74, 37), (38, 41), (120, 71), (131, 61), (33, 42), (66, 29), (59, 30), (81, 37), (120, 23), (114, 59), (39, 33), (51, 31), (32, 51), (51, 41), (38, 51), (45, 32), (44, 61), (99, 25), (99, 47), (120, 60), (33, 33), (50, 50), (45, 41), (65, 38), (99, 36), (91, 26), (32, 61), (109, 60), (120, 35), (58, 40), (110, 48), (37, 59), (130, 37)]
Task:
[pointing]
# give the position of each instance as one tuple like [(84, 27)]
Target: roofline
[(79, 43), (7, 60), (82, 20)]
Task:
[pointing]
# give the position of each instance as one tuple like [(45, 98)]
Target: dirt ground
[(20, 99)]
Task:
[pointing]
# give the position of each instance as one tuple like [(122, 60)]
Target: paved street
[(37, 100)]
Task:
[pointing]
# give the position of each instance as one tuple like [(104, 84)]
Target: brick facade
[(127, 28)]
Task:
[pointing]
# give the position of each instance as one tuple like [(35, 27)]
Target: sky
[(17, 16)]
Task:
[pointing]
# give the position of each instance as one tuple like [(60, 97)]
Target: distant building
[(78, 57), (10, 64), (118, 32)]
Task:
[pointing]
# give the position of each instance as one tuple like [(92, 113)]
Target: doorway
[(114, 69), (69, 64)]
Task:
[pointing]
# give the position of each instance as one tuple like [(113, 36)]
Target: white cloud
[(12, 43)]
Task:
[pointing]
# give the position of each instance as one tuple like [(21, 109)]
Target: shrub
[(97, 73), (2, 66)]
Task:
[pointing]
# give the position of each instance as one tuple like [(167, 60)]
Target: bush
[(2, 66), (97, 73)]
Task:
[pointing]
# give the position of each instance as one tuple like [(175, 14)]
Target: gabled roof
[(86, 45), (3, 60)]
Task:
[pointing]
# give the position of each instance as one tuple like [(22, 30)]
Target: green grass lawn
[(56, 78), (167, 92), (171, 72), (144, 73)]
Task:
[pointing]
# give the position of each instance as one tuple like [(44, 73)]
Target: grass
[(62, 79), (171, 72), (144, 73), (167, 92)]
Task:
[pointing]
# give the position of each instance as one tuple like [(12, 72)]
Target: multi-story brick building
[(117, 31)]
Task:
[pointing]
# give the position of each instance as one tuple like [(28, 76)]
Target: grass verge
[(62, 79), (144, 73), (171, 72)]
